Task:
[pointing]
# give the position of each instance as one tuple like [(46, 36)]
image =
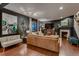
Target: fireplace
[(64, 33)]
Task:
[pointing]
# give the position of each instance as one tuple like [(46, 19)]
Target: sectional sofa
[(47, 42)]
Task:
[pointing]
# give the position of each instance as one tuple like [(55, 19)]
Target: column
[(30, 24)]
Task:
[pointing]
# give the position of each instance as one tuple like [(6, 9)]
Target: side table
[(25, 40)]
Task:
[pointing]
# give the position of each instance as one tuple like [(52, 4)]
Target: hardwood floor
[(66, 49), (16, 50), (36, 51)]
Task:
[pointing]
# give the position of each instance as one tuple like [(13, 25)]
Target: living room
[(38, 29)]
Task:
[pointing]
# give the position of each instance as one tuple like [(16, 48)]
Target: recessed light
[(44, 19), (22, 9), (30, 9), (30, 13), (39, 13), (61, 17), (35, 14), (61, 8)]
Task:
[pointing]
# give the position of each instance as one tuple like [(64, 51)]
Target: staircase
[(76, 28)]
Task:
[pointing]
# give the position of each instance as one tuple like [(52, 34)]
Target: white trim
[(63, 30), (30, 24)]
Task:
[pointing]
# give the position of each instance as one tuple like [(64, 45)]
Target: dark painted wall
[(20, 18), (58, 22), (0, 23), (70, 25), (22, 21), (23, 25)]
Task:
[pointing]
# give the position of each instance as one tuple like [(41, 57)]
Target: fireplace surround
[(65, 32)]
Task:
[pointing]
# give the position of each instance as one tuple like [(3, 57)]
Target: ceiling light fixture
[(44, 19), (35, 14), (30, 9), (39, 13), (30, 13), (22, 9), (61, 17), (61, 8)]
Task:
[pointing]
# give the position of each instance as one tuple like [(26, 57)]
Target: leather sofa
[(47, 42)]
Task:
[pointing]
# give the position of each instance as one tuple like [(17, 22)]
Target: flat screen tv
[(9, 24)]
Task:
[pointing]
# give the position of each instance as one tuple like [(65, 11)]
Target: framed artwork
[(9, 24), (64, 22)]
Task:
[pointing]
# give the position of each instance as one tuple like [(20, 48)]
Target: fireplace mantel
[(65, 30)]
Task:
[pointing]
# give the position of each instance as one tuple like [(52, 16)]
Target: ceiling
[(44, 11)]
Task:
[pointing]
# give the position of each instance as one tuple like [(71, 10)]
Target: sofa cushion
[(4, 39)]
